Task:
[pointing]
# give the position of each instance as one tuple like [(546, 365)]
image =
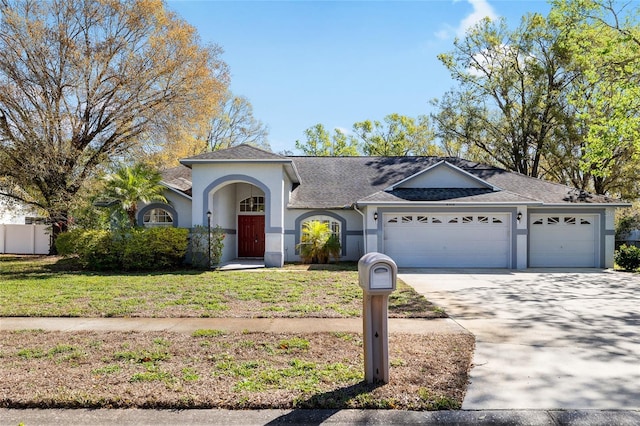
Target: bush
[(200, 242), (137, 249), (154, 248), (628, 257), (99, 250), (67, 242)]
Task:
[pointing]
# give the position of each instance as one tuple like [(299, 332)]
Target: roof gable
[(241, 152), (442, 175)]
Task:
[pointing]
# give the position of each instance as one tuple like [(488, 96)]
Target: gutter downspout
[(364, 227)]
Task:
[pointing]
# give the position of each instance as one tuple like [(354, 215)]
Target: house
[(421, 211)]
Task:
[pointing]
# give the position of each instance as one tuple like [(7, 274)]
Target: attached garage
[(448, 240), (423, 211), (564, 240)]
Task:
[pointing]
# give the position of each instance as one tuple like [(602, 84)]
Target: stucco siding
[(179, 207), (351, 231)]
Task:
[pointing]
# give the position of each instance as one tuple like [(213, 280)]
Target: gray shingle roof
[(338, 182), (240, 152), (334, 182), (178, 178)]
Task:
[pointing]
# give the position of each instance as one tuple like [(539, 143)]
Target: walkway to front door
[(251, 236)]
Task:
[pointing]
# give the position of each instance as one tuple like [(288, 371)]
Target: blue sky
[(337, 62)]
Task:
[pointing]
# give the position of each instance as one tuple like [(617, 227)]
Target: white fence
[(25, 239)]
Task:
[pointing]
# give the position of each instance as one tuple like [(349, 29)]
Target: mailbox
[(377, 273)]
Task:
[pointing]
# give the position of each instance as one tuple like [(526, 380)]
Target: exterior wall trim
[(343, 226), (163, 206), (235, 178)]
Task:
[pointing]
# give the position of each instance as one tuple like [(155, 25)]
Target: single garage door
[(561, 240), (448, 240)]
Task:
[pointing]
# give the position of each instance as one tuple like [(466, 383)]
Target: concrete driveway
[(545, 338)]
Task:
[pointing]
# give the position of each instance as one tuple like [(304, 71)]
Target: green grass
[(206, 332), (42, 287)]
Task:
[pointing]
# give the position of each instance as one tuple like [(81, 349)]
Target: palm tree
[(132, 184), (317, 243)]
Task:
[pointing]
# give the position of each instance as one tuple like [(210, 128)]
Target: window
[(553, 220), (483, 219), (334, 224), (495, 220), (584, 222), (467, 219), (407, 219), (157, 217), (252, 204), (570, 220)]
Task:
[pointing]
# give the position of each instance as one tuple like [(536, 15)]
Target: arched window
[(157, 217), (252, 204), (334, 224)]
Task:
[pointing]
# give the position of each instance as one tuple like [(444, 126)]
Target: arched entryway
[(239, 205), (224, 196)]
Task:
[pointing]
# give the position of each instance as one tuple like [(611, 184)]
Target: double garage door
[(483, 240), (448, 240)]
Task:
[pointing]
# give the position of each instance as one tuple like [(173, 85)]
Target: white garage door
[(448, 240), (560, 240)]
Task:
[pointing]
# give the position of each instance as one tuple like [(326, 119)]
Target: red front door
[(250, 236)]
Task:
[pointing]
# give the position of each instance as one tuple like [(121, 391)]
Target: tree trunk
[(59, 224)]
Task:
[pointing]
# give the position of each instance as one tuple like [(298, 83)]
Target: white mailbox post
[(377, 274)]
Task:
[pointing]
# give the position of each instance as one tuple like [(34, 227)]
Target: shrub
[(67, 242), (317, 243), (333, 247), (135, 249), (154, 248), (628, 257), (99, 250), (199, 242)]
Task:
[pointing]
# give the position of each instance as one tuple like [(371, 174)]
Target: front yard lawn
[(40, 287), (213, 369)]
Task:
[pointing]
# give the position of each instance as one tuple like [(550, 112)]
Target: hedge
[(131, 250)]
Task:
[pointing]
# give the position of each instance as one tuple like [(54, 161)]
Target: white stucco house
[(421, 211)]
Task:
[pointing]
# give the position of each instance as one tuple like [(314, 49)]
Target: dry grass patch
[(215, 369)]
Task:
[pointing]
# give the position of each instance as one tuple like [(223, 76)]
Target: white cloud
[(481, 10)]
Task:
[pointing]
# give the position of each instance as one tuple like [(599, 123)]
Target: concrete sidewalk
[(266, 325)]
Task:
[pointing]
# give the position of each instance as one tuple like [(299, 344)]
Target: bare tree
[(235, 124), (82, 81)]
